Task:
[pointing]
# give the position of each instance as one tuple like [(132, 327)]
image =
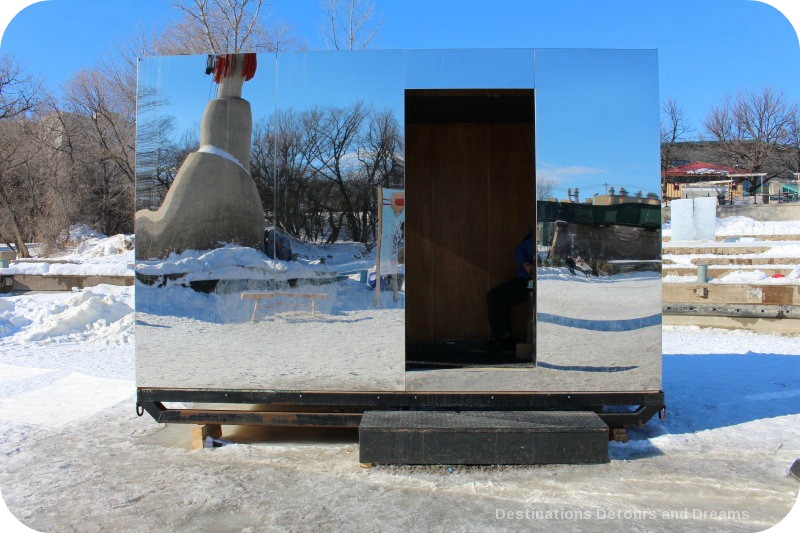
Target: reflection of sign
[(392, 230)]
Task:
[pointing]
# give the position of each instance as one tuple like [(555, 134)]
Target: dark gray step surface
[(483, 437)]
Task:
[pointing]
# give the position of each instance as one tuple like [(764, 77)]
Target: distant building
[(692, 180)]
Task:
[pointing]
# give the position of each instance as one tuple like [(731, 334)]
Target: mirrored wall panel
[(203, 193), (339, 221), (598, 234), (424, 220)]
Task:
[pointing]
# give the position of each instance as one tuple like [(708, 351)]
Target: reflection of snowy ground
[(358, 350), (593, 334), (187, 339)]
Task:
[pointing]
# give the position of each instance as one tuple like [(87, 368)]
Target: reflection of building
[(784, 188), (693, 180), (622, 197)]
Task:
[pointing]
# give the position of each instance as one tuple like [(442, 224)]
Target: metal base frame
[(344, 409)]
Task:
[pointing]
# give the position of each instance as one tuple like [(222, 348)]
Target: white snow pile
[(736, 226), (98, 314), (240, 262), (104, 246), (229, 262), (759, 277), (93, 254), (79, 233), (748, 226)]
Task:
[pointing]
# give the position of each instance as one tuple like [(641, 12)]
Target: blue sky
[(706, 48)]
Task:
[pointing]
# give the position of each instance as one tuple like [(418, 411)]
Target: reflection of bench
[(271, 303)]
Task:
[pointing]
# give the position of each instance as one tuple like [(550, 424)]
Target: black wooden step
[(482, 437)]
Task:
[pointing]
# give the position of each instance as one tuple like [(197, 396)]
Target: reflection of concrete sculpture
[(213, 200)]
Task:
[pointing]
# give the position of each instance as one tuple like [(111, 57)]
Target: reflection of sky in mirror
[(597, 110), (307, 80), (597, 115), (184, 89), (469, 69)]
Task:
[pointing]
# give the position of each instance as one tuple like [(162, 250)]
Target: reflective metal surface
[(599, 219), (339, 135), (485, 146)]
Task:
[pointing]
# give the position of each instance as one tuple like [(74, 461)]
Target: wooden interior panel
[(470, 190), (460, 236), (419, 245), (511, 200)]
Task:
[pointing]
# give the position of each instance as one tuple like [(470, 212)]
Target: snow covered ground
[(742, 232), (92, 253), (734, 226), (74, 456)]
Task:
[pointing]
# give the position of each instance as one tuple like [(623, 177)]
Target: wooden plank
[(781, 326), (200, 432), (731, 293), (721, 238), (460, 234), (716, 250), (721, 261), (721, 272), (262, 295), (510, 203), (419, 246), (215, 417)]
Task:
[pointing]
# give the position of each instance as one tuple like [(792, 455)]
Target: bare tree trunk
[(15, 227)]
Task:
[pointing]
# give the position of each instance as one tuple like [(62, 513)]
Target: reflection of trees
[(158, 155), (320, 183)]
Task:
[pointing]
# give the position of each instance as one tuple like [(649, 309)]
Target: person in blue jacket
[(503, 297)]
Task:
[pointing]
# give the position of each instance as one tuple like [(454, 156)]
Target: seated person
[(515, 291)]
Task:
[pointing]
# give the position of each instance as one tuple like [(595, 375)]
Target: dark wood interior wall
[(470, 190)]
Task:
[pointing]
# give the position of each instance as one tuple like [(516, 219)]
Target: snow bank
[(735, 226), (758, 277), (748, 226), (102, 247), (94, 255), (98, 314), (232, 262), (83, 232)]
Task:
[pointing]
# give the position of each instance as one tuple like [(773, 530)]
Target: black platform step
[(483, 437)]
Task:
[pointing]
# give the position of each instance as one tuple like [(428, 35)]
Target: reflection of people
[(513, 292), (570, 262), (583, 266)]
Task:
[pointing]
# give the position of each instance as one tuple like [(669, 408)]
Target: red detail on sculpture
[(225, 65), (249, 69)]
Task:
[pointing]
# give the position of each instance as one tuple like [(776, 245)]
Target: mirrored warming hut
[(400, 229)]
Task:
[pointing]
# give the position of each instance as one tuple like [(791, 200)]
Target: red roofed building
[(727, 181)]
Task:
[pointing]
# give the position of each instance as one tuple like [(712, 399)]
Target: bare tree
[(224, 26), (110, 119), (545, 189), (752, 128), (19, 92), (792, 157), (19, 96), (349, 24), (675, 127)]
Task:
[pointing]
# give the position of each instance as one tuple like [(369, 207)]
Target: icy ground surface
[(74, 456)]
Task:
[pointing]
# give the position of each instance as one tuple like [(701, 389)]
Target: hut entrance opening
[(470, 188)]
